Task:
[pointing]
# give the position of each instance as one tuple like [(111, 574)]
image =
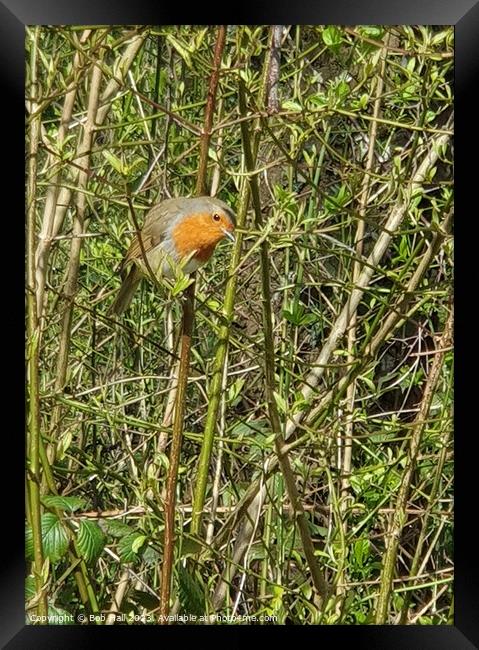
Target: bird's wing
[(154, 231)]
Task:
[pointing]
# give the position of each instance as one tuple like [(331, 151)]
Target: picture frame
[(14, 16)]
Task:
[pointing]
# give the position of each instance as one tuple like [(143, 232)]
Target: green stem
[(270, 361)]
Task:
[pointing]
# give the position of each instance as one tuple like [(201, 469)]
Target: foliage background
[(357, 129)]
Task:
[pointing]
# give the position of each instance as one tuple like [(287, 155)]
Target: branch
[(186, 334)]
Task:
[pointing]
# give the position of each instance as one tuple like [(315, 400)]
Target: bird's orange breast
[(193, 234)]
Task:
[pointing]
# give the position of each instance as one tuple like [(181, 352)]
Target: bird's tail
[(127, 290)]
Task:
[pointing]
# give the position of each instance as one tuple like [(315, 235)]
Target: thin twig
[(399, 517)]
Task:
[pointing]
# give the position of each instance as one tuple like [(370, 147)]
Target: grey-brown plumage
[(158, 246)]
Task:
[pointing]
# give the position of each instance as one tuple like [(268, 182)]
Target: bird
[(179, 232)]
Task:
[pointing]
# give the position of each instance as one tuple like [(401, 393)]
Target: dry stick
[(84, 151), (118, 598), (242, 544), (252, 499), (59, 202), (397, 314), (33, 333), (216, 174), (273, 73), (341, 324), (399, 517), (46, 233), (413, 572), (359, 242), (170, 403), (186, 334), (53, 218), (201, 185)]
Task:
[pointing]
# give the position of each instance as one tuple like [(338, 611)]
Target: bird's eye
[(216, 217)]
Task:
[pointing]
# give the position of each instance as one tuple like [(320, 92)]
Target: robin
[(177, 232)]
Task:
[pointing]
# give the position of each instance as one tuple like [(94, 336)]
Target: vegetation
[(313, 479)]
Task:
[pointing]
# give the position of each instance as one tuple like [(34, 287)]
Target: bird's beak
[(229, 234)]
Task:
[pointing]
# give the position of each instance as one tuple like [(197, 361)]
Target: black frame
[(464, 14)]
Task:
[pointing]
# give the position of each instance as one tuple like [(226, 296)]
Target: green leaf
[(363, 100), (280, 402), (161, 460), (181, 284), (404, 248), (307, 319), (371, 31), (114, 161), (150, 556), (117, 528), (138, 543), (90, 540), (54, 538), (289, 105), (234, 390), (64, 444), (125, 547), (190, 546), (369, 382), (63, 503), (289, 316), (319, 100), (182, 51), (212, 153), (191, 593), (342, 89), (332, 36), (361, 551)]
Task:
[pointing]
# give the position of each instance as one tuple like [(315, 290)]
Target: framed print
[(246, 395)]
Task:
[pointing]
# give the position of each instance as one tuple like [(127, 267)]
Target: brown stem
[(209, 111), (186, 334), (170, 498), (273, 72)]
